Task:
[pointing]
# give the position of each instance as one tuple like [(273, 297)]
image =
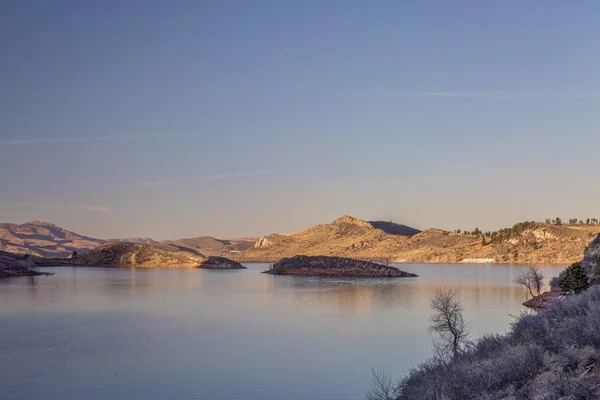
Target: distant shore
[(13, 272)]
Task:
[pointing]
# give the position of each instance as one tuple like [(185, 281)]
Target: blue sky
[(238, 118)]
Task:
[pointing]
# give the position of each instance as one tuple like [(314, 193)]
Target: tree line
[(517, 229), (573, 221)]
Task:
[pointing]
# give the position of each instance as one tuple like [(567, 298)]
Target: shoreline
[(13, 273), (544, 300)]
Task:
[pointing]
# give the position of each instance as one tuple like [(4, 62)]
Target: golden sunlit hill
[(529, 242)]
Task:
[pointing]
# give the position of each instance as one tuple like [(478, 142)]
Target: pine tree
[(575, 279)]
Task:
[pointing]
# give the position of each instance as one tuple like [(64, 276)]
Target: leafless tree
[(386, 261), (448, 323), (532, 279), (382, 387)]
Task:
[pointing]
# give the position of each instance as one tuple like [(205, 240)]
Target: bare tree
[(382, 387), (448, 323), (532, 279), (386, 261), (537, 278)]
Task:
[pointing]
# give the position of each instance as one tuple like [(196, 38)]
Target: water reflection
[(187, 333)]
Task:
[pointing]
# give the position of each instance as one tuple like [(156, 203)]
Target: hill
[(394, 229), (43, 239), (209, 245), (123, 254), (348, 237), (351, 237)]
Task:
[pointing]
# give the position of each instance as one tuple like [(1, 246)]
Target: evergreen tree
[(575, 279)]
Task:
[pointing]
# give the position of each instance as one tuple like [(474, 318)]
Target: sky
[(244, 118)]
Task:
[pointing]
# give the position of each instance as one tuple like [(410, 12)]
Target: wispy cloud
[(83, 207), (507, 94), (147, 183), (231, 175), (199, 179), (18, 142), (479, 95)]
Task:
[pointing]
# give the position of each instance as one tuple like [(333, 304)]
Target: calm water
[(102, 333)]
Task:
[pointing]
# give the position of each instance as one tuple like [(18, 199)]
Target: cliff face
[(334, 266)]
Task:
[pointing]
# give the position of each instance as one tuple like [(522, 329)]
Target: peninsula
[(143, 255)]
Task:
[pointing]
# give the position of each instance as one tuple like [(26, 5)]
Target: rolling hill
[(351, 237), (43, 239)]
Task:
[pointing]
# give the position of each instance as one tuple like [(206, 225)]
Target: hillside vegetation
[(553, 355)]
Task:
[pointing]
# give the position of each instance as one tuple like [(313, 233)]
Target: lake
[(108, 333)]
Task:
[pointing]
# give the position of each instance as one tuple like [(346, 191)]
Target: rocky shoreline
[(544, 300), (14, 272), (334, 267)]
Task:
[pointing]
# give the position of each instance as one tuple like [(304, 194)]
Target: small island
[(215, 262), (334, 267)]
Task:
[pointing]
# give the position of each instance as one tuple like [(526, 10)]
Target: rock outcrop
[(544, 300), (334, 266), (216, 262)]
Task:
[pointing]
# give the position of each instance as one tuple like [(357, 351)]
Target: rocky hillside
[(209, 245), (122, 254), (334, 266), (591, 256), (393, 228), (531, 242), (43, 239), (216, 262), (354, 238)]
